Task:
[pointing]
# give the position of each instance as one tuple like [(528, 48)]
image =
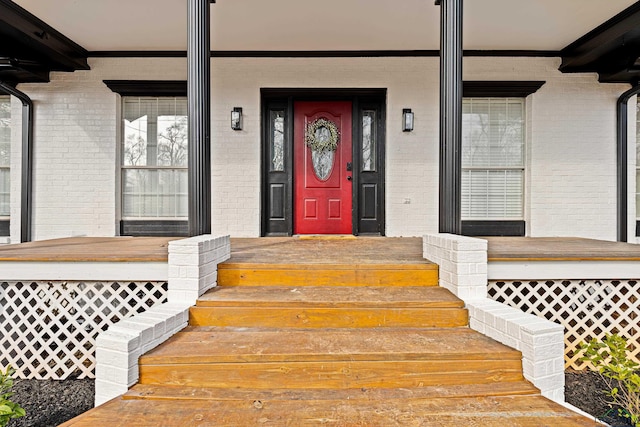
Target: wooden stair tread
[(346, 296), (493, 411), (271, 265), (158, 392), (229, 345)]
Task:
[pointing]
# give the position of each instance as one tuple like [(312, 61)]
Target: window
[(154, 158), (493, 156), (5, 154), (638, 168), (493, 160)]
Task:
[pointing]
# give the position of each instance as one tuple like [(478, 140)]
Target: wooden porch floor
[(90, 249), (316, 250), (559, 249)]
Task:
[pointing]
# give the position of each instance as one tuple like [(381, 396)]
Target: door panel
[(322, 185)]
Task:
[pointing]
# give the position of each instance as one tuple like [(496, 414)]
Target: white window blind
[(638, 161), (154, 158), (493, 158), (5, 154)]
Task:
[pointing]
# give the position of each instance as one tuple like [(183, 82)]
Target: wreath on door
[(322, 135)]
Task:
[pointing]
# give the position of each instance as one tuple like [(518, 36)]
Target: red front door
[(323, 168)]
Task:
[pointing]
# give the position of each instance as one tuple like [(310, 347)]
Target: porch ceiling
[(99, 25)]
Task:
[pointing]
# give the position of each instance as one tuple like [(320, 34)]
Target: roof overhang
[(612, 49), (30, 48)]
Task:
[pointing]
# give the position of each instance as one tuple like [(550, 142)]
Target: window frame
[(151, 226), (501, 89)]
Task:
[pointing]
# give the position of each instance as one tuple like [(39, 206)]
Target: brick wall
[(571, 141)]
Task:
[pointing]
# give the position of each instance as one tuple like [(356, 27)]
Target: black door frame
[(282, 99)]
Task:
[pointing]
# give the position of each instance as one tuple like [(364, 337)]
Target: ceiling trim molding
[(501, 89), (148, 87), (318, 53), (612, 49)]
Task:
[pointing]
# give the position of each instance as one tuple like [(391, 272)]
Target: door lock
[(349, 166), (349, 178)]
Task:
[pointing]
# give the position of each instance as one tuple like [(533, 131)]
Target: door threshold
[(326, 236)]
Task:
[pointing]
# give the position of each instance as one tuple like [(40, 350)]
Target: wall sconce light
[(407, 120), (236, 118)]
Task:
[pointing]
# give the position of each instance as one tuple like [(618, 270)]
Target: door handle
[(349, 166), (349, 178)]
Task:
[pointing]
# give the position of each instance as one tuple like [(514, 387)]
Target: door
[(323, 168)]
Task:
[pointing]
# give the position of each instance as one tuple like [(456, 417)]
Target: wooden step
[(493, 411), (265, 274), (160, 392), (329, 358), (329, 307)]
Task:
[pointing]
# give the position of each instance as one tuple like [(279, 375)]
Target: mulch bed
[(49, 403), (584, 390)]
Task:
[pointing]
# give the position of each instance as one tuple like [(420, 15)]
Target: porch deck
[(89, 249), (346, 331), (316, 250), (559, 249)]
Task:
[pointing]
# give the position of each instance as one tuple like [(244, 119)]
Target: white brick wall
[(193, 265), (463, 270), (462, 262), (571, 140)]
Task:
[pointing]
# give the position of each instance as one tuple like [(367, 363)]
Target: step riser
[(329, 277), (327, 317), (329, 375)]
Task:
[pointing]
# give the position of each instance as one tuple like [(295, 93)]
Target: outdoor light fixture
[(407, 120), (236, 118)]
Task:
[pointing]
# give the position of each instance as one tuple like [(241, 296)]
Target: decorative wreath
[(324, 145)]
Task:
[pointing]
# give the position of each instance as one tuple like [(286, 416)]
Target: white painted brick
[(118, 375), (557, 394), (116, 358), (118, 341), (183, 259), (106, 390), (472, 257)]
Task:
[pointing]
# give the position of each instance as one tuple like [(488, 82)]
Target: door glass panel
[(321, 155), (368, 141), (277, 141)]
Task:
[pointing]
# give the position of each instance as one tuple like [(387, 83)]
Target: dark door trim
[(277, 186)]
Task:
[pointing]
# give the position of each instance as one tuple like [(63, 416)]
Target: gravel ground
[(49, 403)]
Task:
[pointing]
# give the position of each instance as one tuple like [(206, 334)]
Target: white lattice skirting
[(586, 309), (48, 329)]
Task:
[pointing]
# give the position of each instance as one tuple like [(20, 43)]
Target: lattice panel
[(586, 309), (48, 329)]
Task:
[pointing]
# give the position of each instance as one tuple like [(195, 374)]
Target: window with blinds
[(638, 168), (493, 158), (154, 158), (5, 153)]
